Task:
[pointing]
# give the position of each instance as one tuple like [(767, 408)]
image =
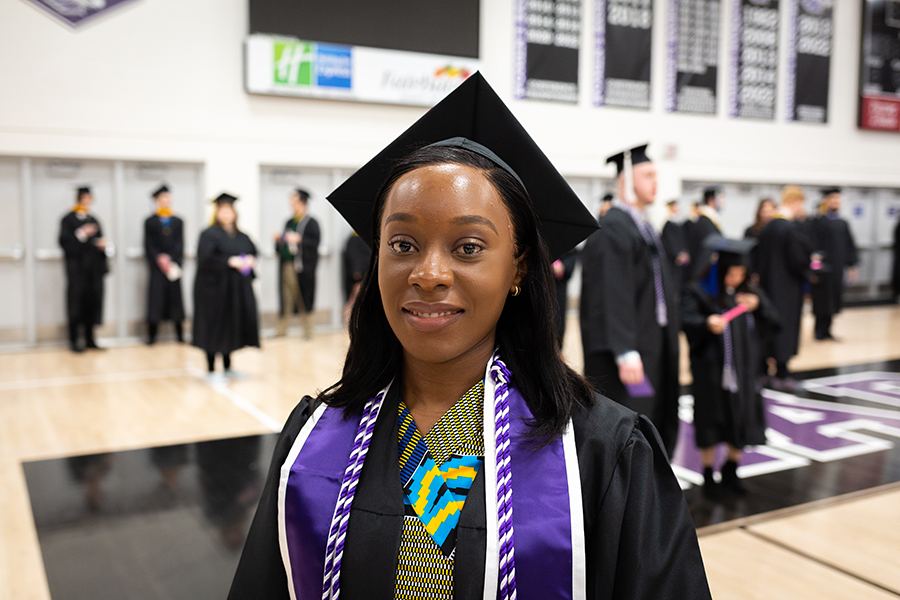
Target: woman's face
[(735, 276), (766, 212), (446, 262), (225, 215)]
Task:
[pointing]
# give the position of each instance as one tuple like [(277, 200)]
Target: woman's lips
[(431, 319)]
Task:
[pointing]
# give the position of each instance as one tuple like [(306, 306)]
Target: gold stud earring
[(516, 291)]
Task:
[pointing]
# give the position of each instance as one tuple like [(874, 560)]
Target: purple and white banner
[(809, 60), (754, 59), (77, 12), (623, 40), (548, 36), (693, 56)]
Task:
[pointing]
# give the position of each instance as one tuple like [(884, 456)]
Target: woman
[(398, 481), (225, 317), (724, 325), (765, 211)]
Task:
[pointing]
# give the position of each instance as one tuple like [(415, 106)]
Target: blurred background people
[(708, 222), (725, 354), (356, 261), (629, 317), (605, 204), (833, 241), (225, 314), (676, 245), (765, 210), (895, 279), (784, 255), (164, 250), (298, 249), (81, 239), (562, 272)]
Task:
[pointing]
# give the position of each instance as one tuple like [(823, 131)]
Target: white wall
[(162, 80)]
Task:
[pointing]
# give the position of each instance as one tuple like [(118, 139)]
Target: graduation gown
[(305, 264), (225, 315), (833, 239), (164, 301), (784, 253), (720, 415), (675, 242), (356, 262), (699, 230), (86, 265), (640, 541), (562, 292), (895, 280), (618, 314)]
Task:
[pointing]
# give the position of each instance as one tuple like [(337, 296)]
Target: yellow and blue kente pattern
[(437, 472)]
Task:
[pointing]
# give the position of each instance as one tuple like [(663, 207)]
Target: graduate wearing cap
[(81, 238), (298, 248), (833, 240), (726, 318), (458, 456), (164, 250), (784, 256), (708, 221), (225, 314), (629, 308)]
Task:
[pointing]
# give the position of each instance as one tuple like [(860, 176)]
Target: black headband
[(467, 144)]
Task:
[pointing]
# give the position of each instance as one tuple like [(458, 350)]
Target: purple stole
[(546, 505)]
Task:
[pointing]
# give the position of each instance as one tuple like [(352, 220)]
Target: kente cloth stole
[(437, 471)]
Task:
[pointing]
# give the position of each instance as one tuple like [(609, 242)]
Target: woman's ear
[(521, 268)]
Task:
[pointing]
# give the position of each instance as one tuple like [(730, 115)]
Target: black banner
[(622, 50), (879, 105), (809, 60), (754, 59), (548, 35), (693, 56)]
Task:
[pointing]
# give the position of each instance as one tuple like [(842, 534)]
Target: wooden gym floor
[(117, 469)]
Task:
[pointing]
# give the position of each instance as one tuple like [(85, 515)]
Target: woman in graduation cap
[(459, 456), (225, 316), (725, 317)]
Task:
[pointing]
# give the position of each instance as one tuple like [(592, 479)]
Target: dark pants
[(823, 327), (211, 361)]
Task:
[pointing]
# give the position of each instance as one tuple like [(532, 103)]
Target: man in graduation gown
[(164, 250), (675, 243), (708, 221), (833, 240), (81, 238), (298, 249), (784, 257), (629, 314)]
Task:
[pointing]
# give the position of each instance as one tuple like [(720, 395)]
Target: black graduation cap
[(723, 245), (163, 189), (82, 191), (716, 255), (475, 113), (304, 195), (224, 198), (830, 190), (710, 191), (638, 156), (607, 198)]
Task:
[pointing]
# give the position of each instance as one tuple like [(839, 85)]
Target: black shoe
[(730, 480), (76, 348), (712, 490)]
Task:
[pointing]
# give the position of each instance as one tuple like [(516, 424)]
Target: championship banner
[(693, 56), (754, 59), (548, 36), (879, 105), (291, 67), (623, 32), (77, 12), (809, 60)]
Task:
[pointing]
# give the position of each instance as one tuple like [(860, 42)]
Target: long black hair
[(526, 329)]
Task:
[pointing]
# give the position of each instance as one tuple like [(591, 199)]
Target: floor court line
[(240, 402), (88, 379)]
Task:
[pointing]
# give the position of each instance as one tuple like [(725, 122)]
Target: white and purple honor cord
[(334, 550)]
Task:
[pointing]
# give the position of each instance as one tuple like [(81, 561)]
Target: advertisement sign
[(548, 35), (809, 60), (754, 59), (879, 106), (623, 35), (290, 67), (693, 56), (77, 12)]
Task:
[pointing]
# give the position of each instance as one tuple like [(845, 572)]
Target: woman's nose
[(432, 270)]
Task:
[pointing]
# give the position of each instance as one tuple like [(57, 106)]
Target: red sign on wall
[(881, 114)]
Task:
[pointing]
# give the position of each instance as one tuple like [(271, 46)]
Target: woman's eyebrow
[(474, 220), (401, 216)]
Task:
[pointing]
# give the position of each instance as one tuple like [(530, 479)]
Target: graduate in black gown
[(298, 250), (629, 310), (356, 258), (225, 315), (784, 255), (895, 279), (164, 250), (562, 272), (765, 210), (708, 222), (82, 241), (833, 241), (725, 354), (675, 242), (459, 303)]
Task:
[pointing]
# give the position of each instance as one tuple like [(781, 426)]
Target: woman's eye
[(470, 249), (401, 247)]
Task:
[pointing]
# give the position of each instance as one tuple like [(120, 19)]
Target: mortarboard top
[(671, 202), (710, 191), (638, 156), (83, 190), (163, 189), (723, 245), (830, 190), (477, 116), (607, 198), (304, 195), (224, 198)]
